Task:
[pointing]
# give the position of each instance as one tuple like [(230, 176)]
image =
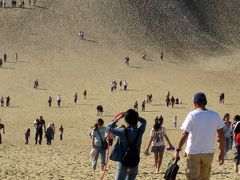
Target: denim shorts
[(159, 149)]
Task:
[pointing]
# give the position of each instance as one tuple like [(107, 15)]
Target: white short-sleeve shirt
[(202, 126)]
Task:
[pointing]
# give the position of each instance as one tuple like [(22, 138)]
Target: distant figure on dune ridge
[(16, 55), (75, 98), (8, 101), (1, 62), (59, 100), (144, 56), (3, 3), (175, 121), (14, 3), (81, 35), (50, 101), (127, 60), (27, 136), (1, 127), (2, 101), (85, 94), (22, 3), (199, 130), (61, 132), (36, 84), (5, 57), (161, 55)]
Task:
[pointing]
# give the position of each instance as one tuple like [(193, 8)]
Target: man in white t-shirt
[(199, 129)]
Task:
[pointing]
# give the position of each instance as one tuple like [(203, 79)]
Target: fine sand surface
[(49, 49)]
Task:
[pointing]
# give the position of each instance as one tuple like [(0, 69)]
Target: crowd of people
[(14, 3), (199, 146)]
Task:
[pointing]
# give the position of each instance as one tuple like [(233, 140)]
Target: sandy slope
[(49, 50)]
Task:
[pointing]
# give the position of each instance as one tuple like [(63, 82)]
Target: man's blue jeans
[(124, 173)]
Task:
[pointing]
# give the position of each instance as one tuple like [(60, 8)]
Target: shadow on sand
[(136, 67), (89, 40)]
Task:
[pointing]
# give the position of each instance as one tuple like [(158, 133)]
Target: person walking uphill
[(99, 143), (199, 129), (127, 149)]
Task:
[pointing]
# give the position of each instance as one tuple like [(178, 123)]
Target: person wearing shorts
[(158, 134)]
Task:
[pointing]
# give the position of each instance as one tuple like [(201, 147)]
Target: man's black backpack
[(131, 157)]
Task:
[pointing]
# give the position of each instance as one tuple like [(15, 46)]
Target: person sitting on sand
[(144, 56), (1, 127), (127, 60), (81, 35), (98, 143), (61, 132), (36, 84), (2, 101), (49, 134), (161, 55), (27, 136), (50, 101), (158, 134), (75, 98), (129, 139)]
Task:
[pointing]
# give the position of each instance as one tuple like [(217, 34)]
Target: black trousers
[(39, 135)]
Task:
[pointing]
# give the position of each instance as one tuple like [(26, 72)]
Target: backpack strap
[(100, 137), (134, 143)]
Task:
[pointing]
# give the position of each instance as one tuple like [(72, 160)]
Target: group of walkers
[(3, 3), (171, 101), (7, 101), (41, 129), (199, 131), (144, 102), (123, 84), (59, 99)]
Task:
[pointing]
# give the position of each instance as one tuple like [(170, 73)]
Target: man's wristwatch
[(178, 149)]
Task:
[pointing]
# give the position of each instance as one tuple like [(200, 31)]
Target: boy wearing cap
[(199, 130)]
